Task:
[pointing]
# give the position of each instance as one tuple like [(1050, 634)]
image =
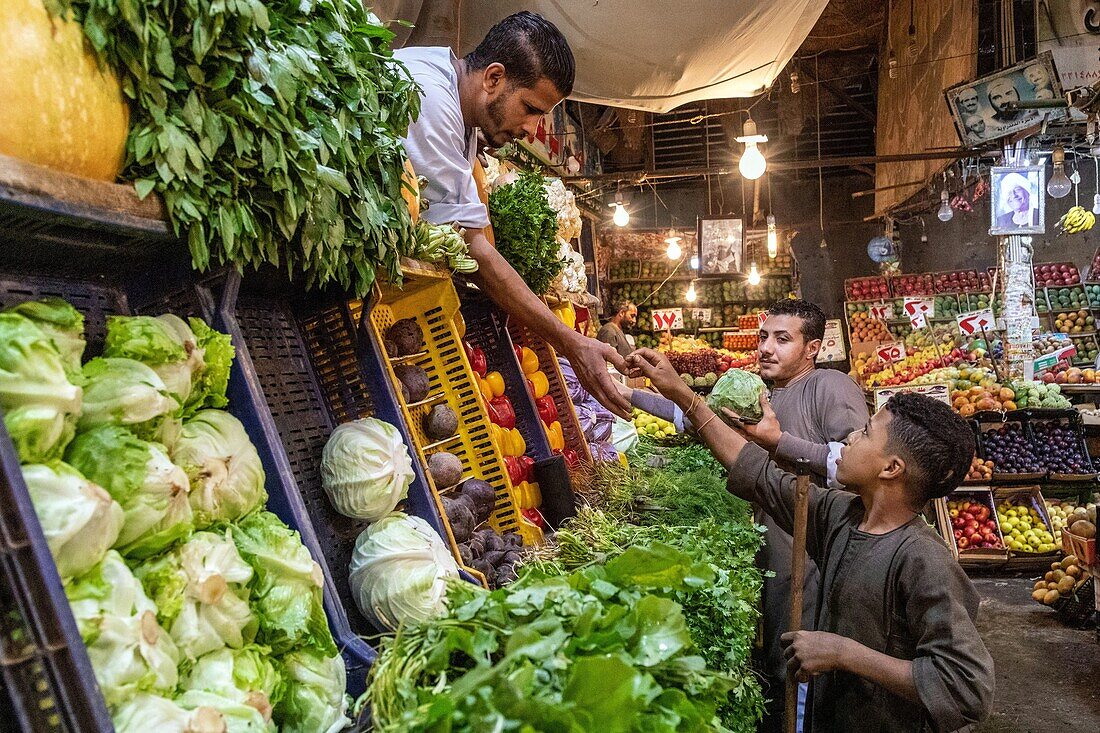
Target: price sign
[(975, 322), (762, 316), (701, 315), (941, 392), (832, 346), (668, 319), (891, 353), (880, 311), (918, 310)]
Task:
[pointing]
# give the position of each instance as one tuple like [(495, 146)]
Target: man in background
[(809, 414), (613, 332), (519, 72)]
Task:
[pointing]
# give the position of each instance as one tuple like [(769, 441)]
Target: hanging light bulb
[(892, 65), (673, 241), (945, 213), (621, 216), (773, 238), (1059, 184), (695, 262), (690, 294), (754, 275), (752, 164)]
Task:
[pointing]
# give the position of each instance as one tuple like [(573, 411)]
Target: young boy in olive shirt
[(896, 647)]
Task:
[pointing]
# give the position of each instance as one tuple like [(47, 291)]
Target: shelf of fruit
[(973, 523), (1033, 445), (1062, 582), (652, 425)]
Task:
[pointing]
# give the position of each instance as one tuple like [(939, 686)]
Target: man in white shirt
[(519, 72)]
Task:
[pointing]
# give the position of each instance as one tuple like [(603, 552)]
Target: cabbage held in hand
[(127, 393), (399, 571), (129, 651), (739, 391), (246, 676), (227, 478), (200, 590), (366, 469), (286, 595), (139, 476), (80, 520), (191, 358), (63, 325), (314, 699), (40, 404)]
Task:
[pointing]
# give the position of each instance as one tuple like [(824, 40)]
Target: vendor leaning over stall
[(519, 72), (809, 413), (896, 648)]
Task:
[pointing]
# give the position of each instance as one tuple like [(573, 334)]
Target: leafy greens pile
[(270, 127), (640, 616), (525, 229)]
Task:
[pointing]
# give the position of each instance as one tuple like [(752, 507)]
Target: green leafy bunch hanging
[(270, 127), (525, 229)]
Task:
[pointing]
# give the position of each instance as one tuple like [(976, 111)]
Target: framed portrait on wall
[(1018, 202), (721, 245), (982, 109)]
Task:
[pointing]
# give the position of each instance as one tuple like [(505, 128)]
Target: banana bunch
[(443, 244), (1077, 219)]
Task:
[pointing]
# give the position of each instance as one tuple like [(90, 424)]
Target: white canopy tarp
[(652, 55)]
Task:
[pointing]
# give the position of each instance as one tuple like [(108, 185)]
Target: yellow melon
[(58, 106)]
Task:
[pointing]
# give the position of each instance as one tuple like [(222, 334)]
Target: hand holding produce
[(366, 469), (739, 391)]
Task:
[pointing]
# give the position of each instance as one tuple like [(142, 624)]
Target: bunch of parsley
[(270, 127), (525, 229)]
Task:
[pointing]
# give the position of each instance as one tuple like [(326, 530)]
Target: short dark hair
[(936, 441), (813, 318), (529, 47), (622, 305)]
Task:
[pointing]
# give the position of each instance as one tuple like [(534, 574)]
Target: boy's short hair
[(813, 318), (937, 443)]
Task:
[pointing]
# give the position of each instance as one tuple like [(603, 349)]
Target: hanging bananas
[(1077, 219)]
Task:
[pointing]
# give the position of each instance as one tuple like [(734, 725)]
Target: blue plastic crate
[(313, 369)]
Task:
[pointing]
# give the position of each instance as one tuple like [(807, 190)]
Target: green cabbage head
[(739, 391), (314, 699), (366, 469), (399, 571)]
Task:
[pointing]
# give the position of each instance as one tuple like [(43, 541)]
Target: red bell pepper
[(534, 516), (571, 458), (548, 411), (515, 469), (528, 464), (477, 359), (501, 412), (519, 353)]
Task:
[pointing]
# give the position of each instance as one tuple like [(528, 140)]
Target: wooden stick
[(798, 577)]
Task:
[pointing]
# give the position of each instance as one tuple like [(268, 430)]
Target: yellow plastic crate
[(429, 297)]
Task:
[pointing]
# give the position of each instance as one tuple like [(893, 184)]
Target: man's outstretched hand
[(656, 367), (589, 358), (765, 433)]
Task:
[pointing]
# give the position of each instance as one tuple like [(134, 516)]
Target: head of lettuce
[(739, 391)]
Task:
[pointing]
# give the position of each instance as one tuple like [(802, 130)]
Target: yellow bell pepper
[(566, 314), (539, 383), (530, 361), (519, 445), (485, 388), (528, 495), (554, 435), (500, 438), (496, 384)]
